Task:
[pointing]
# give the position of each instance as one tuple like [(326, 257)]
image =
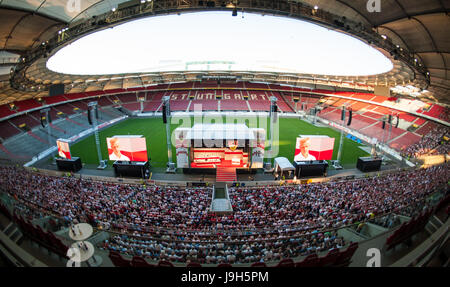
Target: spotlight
[(234, 12), (316, 7)]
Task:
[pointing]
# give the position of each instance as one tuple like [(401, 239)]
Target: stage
[(256, 177)]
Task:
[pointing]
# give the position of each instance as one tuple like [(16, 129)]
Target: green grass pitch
[(155, 133)]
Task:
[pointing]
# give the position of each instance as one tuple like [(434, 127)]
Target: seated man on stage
[(305, 143)]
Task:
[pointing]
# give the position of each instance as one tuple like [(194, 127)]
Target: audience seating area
[(172, 224)]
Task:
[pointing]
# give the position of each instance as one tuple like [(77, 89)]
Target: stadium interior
[(231, 204)]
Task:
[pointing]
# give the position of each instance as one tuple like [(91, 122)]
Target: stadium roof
[(417, 25)]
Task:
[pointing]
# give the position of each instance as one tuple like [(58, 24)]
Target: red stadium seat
[(310, 261), (118, 260), (329, 259), (164, 263), (287, 262), (259, 264), (138, 261)]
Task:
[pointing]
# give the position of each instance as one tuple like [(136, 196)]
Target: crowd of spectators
[(433, 143), (267, 223)]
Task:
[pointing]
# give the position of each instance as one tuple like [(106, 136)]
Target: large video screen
[(63, 149), (314, 148), (127, 148)]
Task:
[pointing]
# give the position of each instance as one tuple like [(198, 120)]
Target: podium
[(131, 168), (73, 164), (366, 164), (310, 168)]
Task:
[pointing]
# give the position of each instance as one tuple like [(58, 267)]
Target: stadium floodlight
[(93, 107), (166, 119)]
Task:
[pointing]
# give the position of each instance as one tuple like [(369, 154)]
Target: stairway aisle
[(225, 174)]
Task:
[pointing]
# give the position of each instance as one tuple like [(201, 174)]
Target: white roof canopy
[(284, 164), (220, 132)]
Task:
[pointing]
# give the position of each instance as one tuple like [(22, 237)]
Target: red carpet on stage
[(225, 174)]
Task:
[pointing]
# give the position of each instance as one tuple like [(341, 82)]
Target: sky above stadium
[(218, 41)]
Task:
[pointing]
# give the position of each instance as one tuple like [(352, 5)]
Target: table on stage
[(82, 231), (87, 253)]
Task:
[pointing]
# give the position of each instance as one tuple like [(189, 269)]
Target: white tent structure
[(283, 167)]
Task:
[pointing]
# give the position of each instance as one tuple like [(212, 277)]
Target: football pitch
[(154, 131)]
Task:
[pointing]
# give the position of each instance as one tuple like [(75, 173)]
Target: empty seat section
[(357, 106), (206, 99), (420, 121), (205, 84), (334, 115), (54, 99), (360, 121), (114, 91), (206, 105), (74, 96), (26, 145), (182, 86), (232, 100), (405, 141), (375, 131), (6, 111), (379, 99), (151, 106), (27, 105), (256, 86), (25, 119), (104, 101), (258, 100), (179, 105), (132, 106), (81, 105), (407, 117), (127, 98), (373, 115), (259, 105), (65, 108), (155, 96), (8, 130), (282, 105), (238, 85), (94, 93)]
